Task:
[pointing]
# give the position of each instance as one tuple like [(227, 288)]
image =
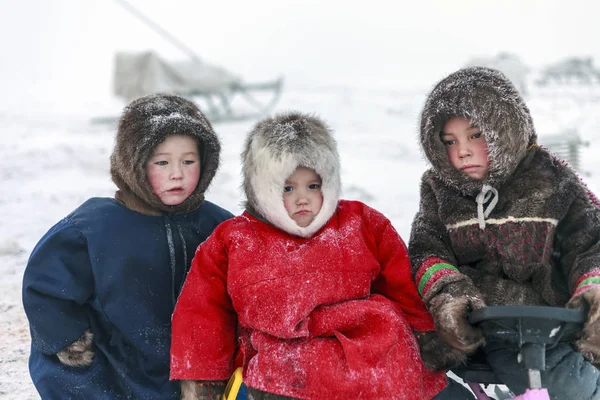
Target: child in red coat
[(311, 294)]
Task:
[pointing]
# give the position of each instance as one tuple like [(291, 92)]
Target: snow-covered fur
[(146, 123), (540, 201), (492, 103), (273, 150), (538, 240)]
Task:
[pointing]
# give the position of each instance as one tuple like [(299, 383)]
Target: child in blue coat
[(100, 286)]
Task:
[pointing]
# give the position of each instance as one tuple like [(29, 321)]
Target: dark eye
[(448, 142), (314, 186), (189, 162), (476, 135), (161, 163), (287, 189)]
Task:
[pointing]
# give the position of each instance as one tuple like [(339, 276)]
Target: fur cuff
[(79, 353)]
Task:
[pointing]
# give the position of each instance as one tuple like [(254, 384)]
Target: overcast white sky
[(63, 49)]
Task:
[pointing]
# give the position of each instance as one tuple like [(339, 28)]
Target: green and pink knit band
[(587, 281), (432, 270)]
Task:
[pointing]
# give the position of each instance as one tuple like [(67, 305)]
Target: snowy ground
[(52, 160)]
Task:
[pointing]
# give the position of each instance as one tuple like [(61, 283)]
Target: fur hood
[(491, 102), (273, 150), (145, 123)]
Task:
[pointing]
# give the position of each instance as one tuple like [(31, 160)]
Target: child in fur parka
[(311, 294), (502, 222), (100, 286)]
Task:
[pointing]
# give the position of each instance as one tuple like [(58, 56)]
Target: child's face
[(174, 169), (302, 196), (466, 146)]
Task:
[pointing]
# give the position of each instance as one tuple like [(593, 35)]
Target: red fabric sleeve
[(204, 323), (395, 280)]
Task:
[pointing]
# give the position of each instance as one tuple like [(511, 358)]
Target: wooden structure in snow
[(571, 71)]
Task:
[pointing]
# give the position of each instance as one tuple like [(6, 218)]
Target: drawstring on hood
[(273, 150), (487, 193), (491, 102)]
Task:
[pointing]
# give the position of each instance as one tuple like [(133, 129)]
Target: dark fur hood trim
[(273, 150), (492, 103), (145, 123)]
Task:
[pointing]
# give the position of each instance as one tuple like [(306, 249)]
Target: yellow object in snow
[(235, 389)]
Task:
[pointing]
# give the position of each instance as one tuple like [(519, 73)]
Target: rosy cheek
[(196, 177), (484, 150), (287, 205), (451, 156), (155, 180)]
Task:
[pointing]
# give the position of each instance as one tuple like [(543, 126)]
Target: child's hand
[(589, 343), (450, 309), (436, 354), (79, 353)]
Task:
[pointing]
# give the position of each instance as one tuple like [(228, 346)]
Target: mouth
[(302, 212), (469, 167), (175, 190)]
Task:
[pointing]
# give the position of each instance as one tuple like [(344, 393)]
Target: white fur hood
[(273, 150)]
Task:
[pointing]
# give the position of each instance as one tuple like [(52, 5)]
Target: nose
[(464, 150), (176, 172), (302, 199)]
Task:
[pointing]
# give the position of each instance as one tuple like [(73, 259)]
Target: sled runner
[(530, 328)]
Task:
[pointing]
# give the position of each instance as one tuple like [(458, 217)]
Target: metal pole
[(158, 29)]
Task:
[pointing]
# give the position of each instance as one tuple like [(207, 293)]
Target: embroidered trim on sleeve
[(431, 271), (587, 280)]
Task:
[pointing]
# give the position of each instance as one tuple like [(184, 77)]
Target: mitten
[(437, 355), (195, 390), (450, 307), (589, 342), (79, 353)]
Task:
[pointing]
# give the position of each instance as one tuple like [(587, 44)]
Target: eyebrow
[(184, 154), (288, 182), (442, 133)]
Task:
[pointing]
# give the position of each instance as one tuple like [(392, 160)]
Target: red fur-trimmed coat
[(330, 316)]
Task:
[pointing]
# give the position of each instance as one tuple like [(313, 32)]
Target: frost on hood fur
[(492, 103), (145, 123), (272, 152)]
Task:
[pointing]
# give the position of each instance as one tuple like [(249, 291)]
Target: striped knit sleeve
[(431, 271), (587, 281)]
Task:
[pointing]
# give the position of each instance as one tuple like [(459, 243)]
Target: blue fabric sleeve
[(57, 283)]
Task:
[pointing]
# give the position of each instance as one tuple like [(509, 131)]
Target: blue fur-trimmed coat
[(116, 272)]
